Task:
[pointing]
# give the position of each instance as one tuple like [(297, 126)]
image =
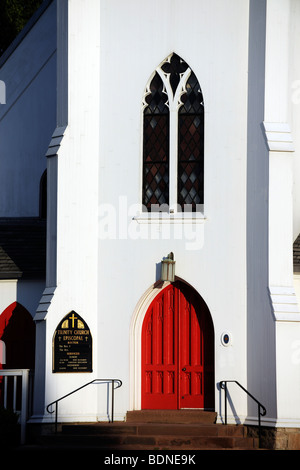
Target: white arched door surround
[(135, 341)]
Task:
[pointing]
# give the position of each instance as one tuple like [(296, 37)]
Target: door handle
[(183, 369)]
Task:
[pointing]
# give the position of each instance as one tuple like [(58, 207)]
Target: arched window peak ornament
[(173, 142), (156, 96), (174, 67), (192, 98)]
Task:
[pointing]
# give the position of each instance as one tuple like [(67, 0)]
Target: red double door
[(177, 351)]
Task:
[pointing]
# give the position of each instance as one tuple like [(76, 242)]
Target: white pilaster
[(281, 148), (281, 151)]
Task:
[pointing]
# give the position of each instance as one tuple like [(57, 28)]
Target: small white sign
[(2, 92), (2, 352)]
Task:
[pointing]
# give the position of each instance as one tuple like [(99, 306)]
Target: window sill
[(169, 218)]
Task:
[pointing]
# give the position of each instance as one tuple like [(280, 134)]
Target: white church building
[(141, 135)]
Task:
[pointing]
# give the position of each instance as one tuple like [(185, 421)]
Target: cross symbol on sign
[(73, 318)]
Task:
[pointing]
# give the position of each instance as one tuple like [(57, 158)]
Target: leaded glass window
[(191, 145), (173, 138), (156, 146)]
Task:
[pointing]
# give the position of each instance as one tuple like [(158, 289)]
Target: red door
[(177, 351)]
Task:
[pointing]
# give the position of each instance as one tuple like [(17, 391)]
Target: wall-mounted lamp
[(168, 268)]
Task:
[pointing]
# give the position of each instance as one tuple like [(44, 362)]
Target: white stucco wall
[(8, 290), (223, 80), (114, 47), (100, 163), (238, 255)]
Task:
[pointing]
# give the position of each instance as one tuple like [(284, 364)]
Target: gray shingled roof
[(22, 248), (8, 269)]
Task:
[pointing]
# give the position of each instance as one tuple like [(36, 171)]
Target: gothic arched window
[(173, 138)]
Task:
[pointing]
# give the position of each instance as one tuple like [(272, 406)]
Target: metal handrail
[(261, 409), (112, 381)]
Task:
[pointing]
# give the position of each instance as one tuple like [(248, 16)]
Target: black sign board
[(72, 345)]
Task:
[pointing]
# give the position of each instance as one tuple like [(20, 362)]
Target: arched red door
[(177, 351), (17, 331)]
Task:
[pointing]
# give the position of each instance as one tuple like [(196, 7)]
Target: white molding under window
[(170, 218)]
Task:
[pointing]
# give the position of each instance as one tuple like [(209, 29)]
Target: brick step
[(158, 442), (148, 429), (153, 430), (172, 416), (150, 436)]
